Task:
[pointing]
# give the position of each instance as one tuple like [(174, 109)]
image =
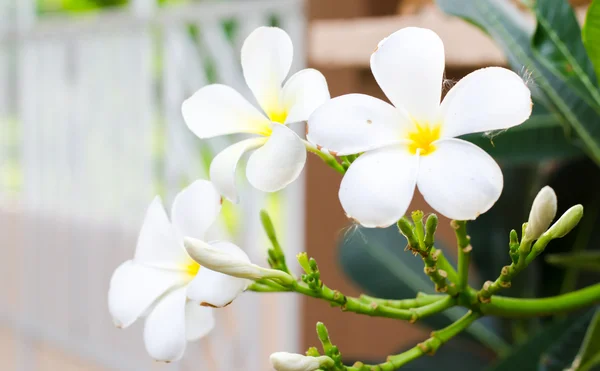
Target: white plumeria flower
[(413, 143), (160, 280), (218, 110), (283, 361)]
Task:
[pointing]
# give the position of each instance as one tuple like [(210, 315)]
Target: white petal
[(355, 123), (409, 67), (488, 99), (379, 186), (266, 60), (218, 110), (459, 179), (135, 287), (222, 168), (195, 209), (165, 328), (217, 289), (158, 244), (304, 92), (279, 162), (199, 321)]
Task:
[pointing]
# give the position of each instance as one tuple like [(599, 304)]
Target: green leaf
[(589, 354), (557, 44), (584, 260), (538, 139), (508, 27), (527, 356), (375, 259), (591, 35), (562, 354)]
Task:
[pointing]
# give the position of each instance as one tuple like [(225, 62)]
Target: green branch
[(463, 242), (514, 307), (328, 158), (429, 346)]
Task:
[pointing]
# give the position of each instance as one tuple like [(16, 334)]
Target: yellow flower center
[(278, 115), (191, 268), (421, 138)]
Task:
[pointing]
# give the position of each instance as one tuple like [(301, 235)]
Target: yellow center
[(191, 268), (278, 115), (421, 138)]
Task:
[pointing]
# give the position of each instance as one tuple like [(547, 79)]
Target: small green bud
[(417, 217), (566, 222), (313, 265), (313, 352), (542, 213), (407, 230), (267, 224), (430, 227), (303, 261), (323, 335), (514, 240)]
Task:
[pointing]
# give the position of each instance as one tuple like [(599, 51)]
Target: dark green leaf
[(527, 356), (589, 354), (584, 260), (591, 35), (561, 354), (558, 46), (509, 28), (540, 138)]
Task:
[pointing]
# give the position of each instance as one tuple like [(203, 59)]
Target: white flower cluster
[(411, 143)]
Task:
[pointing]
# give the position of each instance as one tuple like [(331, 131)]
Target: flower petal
[(158, 245), (488, 99), (165, 328), (223, 166), (199, 321), (459, 180), (355, 123), (218, 110), (266, 60), (304, 92), (409, 67), (135, 287), (216, 289), (195, 209), (279, 162), (379, 186)]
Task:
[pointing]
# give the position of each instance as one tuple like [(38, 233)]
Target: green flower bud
[(566, 223)]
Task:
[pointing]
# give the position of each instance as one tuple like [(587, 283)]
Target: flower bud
[(283, 361), (223, 262), (542, 213), (566, 222)]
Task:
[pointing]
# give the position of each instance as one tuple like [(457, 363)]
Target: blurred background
[(91, 130)]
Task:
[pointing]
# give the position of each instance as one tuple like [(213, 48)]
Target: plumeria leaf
[(540, 138), (560, 49), (584, 260), (591, 35), (589, 353), (535, 354), (510, 29)]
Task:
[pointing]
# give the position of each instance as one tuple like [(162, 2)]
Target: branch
[(514, 307), (463, 242)]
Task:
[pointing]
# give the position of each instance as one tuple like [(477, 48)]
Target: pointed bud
[(407, 230), (232, 265), (430, 227), (542, 213), (303, 261), (283, 361), (566, 223)]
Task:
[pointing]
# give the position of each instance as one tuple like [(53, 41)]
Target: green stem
[(419, 301), (355, 305), (463, 242), (429, 346), (445, 265), (514, 307), (326, 157)]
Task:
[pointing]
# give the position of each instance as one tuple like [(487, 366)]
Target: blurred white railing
[(90, 130)]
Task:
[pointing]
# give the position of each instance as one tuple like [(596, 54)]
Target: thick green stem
[(419, 301), (514, 307), (463, 242), (429, 346), (326, 157), (355, 305)]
